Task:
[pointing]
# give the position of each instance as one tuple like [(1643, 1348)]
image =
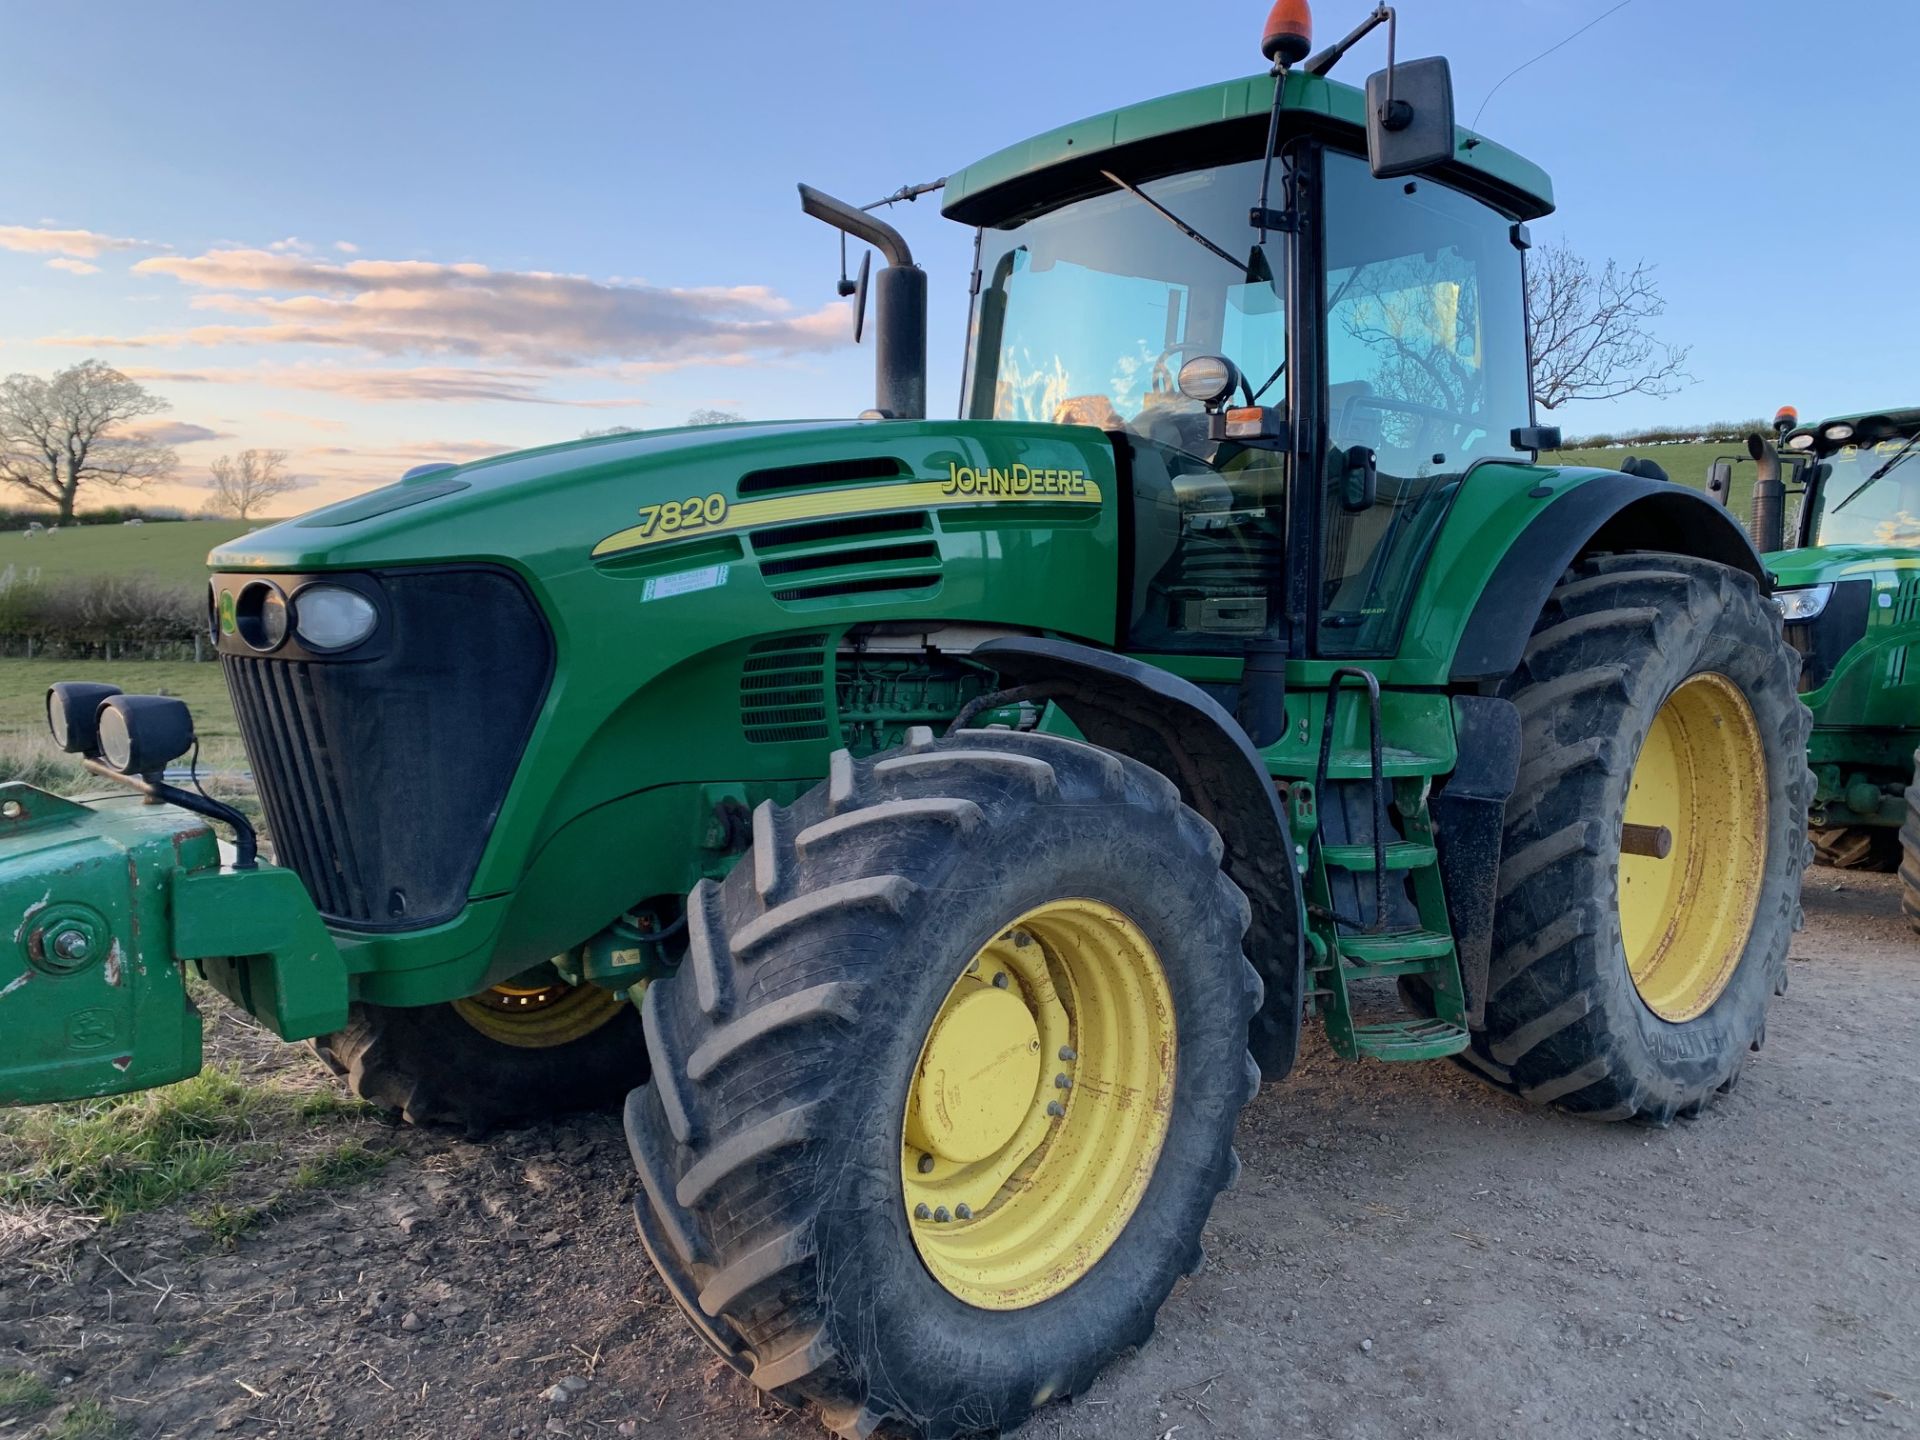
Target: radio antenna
[(1541, 56)]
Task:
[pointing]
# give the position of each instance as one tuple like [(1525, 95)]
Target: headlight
[(1802, 441), (1802, 604), (73, 714), (260, 615), (332, 617), (1837, 432)]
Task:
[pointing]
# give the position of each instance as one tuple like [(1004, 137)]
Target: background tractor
[(936, 829), (1848, 569)]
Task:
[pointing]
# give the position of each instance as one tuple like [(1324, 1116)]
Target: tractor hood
[(519, 506), (1817, 564)]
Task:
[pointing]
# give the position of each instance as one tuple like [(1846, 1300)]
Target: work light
[(1208, 379), (1803, 603), (1837, 432), (143, 734), (73, 713)]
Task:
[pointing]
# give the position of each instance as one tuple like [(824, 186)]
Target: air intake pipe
[(1767, 524), (900, 307)]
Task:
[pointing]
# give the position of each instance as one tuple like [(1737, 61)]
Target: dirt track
[(1408, 1254)]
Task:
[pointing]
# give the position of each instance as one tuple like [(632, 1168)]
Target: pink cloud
[(52, 240), (72, 266)]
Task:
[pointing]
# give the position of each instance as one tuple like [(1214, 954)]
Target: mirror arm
[(857, 223), (1323, 62)]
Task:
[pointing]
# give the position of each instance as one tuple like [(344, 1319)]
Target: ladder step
[(1358, 764), (1372, 950), (1410, 1039), (1401, 855)]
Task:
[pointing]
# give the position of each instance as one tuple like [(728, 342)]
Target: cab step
[(1410, 1039), (1401, 855), (1383, 949)]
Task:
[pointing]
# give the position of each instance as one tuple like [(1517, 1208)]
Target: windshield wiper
[(1182, 226), (1898, 456)]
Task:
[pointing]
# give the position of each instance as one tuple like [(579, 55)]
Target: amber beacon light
[(1289, 33)]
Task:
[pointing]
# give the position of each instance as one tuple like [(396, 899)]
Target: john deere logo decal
[(962, 485)]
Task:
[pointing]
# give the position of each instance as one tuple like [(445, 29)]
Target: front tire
[(1655, 693), (508, 1056), (796, 1172)]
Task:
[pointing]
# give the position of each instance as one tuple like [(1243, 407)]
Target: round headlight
[(1208, 379), (1839, 432), (1802, 441), (73, 708), (260, 615), (332, 617), (143, 734)]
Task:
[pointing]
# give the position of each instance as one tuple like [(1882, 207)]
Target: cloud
[(346, 247), (172, 432), (402, 308), (51, 240), (72, 267), (426, 382)]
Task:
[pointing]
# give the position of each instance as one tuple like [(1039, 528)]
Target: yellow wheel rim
[(538, 1017), (1699, 789), (1038, 1105)]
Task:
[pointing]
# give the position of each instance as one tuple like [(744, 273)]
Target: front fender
[(1161, 720)]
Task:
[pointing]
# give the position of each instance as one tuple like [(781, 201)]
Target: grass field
[(1686, 464), (170, 550)]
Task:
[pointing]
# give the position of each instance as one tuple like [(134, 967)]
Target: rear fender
[(1164, 721)]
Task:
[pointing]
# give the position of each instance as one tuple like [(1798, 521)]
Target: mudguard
[(1606, 512), (1172, 725)]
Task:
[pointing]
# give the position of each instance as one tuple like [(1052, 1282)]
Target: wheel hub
[(1694, 847), (1039, 1105), (977, 1074)]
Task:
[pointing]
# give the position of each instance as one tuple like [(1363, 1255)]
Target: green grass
[(129, 1153), (23, 1394), (88, 1420), (342, 1165), (227, 1223), (1687, 464), (171, 550)]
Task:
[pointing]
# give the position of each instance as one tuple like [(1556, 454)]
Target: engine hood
[(1817, 564)]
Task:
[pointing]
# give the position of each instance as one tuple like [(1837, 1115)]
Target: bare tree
[(1590, 332), (714, 417), (66, 434), (243, 483)]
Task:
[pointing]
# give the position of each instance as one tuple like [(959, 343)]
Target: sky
[(374, 235)]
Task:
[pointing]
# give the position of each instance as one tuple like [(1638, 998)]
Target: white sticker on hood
[(687, 582)]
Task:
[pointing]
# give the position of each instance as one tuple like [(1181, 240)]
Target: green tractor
[(1848, 574), (936, 830)]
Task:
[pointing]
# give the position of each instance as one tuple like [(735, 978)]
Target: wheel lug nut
[(999, 979), (1021, 940), (941, 1216), (1056, 1109), (926, 1164), (922, 1211), (963, 1212), (1061, 1082), (1067, 1052)]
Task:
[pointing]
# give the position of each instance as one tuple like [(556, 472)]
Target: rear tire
[(770, 1142), (1910, 851), (432, 1065), (1566, 1022)]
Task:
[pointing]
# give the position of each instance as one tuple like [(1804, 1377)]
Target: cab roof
[(1158, 137), (1870, 427)]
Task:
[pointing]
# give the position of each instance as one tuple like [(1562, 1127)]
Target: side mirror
[(1360, 481), (1720, 482), (1409, 117), (860, 297)]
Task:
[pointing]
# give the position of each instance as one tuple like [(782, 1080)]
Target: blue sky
[(271, 202)]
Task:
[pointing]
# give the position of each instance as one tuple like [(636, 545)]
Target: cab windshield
[(1088, 312), (1852, 508)]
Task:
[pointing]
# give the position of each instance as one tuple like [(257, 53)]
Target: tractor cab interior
[(1087, 312)]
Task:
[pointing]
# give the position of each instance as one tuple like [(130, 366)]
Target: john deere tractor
[(934, 831), (1848, 570)]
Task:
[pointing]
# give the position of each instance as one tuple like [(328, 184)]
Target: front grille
[(1823, 640), (382, 778)]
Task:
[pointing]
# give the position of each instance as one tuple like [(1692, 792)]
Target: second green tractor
[(934, 831)]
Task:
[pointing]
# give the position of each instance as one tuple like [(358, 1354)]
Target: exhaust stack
[(1767, 524)]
